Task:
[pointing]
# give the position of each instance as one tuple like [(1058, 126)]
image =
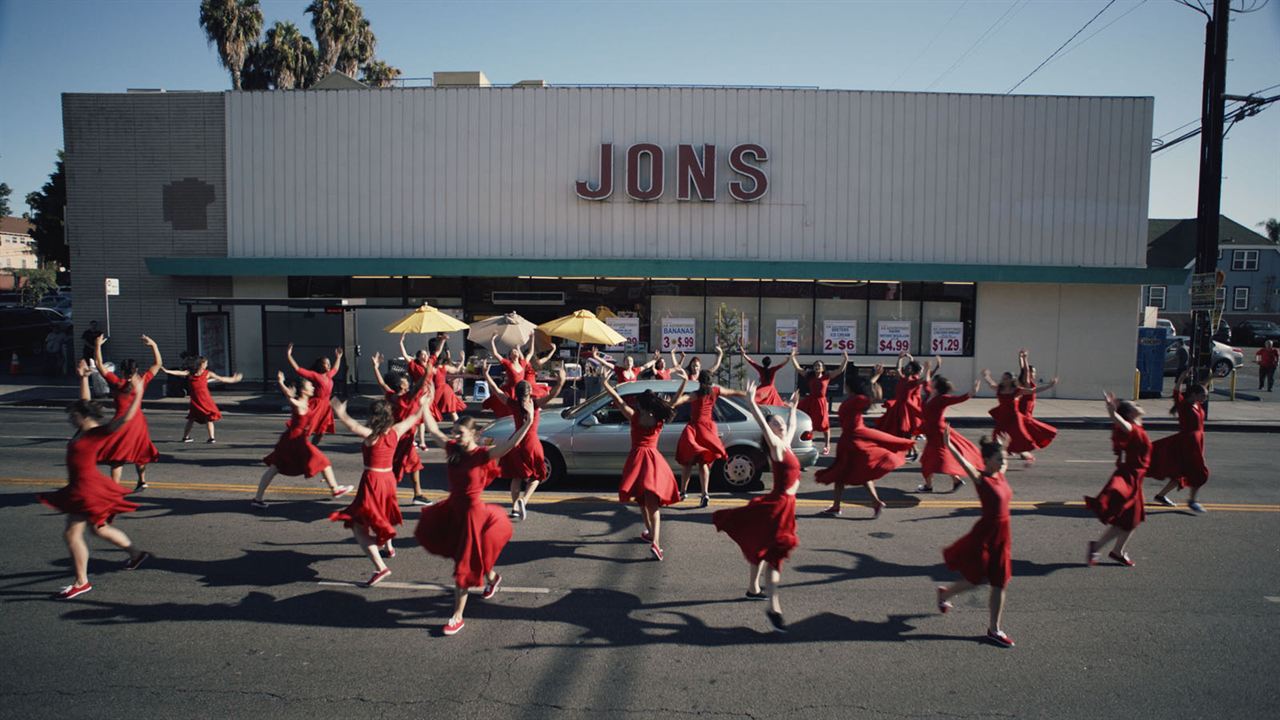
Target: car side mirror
[(590, 421)]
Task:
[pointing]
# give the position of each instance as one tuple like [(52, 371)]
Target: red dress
[(319, 412), (406, 458), (445, 400), (525, 461), (131, 444), (513, 373), (1120, 502), (935, 458), (902, 414), (863, 454), (375, 506), (201, 409), (1041, 433), (625, 375), (983, 555), (815, 404), (646, 470), (462, 526), (700, 441), (766, 393), (663, 374), (294, 454), (765, 528), (1181, 455), (88, 492), (1012, 423)]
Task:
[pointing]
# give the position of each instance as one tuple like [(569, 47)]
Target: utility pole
[(1212, 118)]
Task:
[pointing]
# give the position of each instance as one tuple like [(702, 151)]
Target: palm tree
[(257, 74), (379, 74), (232, 26), (357, 50), (333, 21), (1272, 229), (290, 56)]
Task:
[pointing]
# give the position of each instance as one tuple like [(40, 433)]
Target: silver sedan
[(594, 438)]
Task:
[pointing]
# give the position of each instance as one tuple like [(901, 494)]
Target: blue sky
[(1154, 48)]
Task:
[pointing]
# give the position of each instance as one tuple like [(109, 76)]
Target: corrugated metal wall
[(854, 176)]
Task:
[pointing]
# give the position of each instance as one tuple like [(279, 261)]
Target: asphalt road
[(244, 613)]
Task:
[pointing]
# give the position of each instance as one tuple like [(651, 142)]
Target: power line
[(989, 31), (1189, 123), (1104, 27), (1060, 47), (929, 45)]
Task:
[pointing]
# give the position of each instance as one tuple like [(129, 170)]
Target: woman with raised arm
[(903, 415), (658, 368), (374, 514), (201, 408), (1042, 433), (321, 377), (936, 458), (406, 398), (863, 454), (1179, 458), (983, 554), (766, 392), (419, 366), (132, 445), (625, 372), (694, 368), (765, 528), (700, 440), (1119, 505), (815, 404), (445, 402), (646, 476), (526, 465), (91, 499), (463, 527), (294, 453), (1009, 422)]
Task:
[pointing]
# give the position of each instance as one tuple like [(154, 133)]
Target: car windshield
[(581, 407)]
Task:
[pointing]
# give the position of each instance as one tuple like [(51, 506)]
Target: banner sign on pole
[(113, 286), (840, 336), (678, 334), (626, 326), (946, 338), (893, 337), (1204, 288), (786, 335)]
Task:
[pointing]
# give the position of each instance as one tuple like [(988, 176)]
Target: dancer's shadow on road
[(303, 510), (867, 566)]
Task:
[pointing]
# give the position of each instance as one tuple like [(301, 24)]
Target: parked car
[(23, 330), (1223, 333), (57, 301), (1225, 357), (1256, 332), (593, 437), (1167, 324)]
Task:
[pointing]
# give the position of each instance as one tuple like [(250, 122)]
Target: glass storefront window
[(893, 318), (840, 318), (738, 298), (786, 316)]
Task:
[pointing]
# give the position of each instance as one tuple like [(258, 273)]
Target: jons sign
[(695, 173)]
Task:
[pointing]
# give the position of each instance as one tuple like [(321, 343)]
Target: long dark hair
[(380, 417), (655, 405), (454, 453), (942, 385), (704, 381), (767, 361), (86, 408), (989, 446), (912, 368), (859, 385), (1193, 388), (128, 369), (318, 364)]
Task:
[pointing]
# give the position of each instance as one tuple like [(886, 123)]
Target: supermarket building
[(236, 222)]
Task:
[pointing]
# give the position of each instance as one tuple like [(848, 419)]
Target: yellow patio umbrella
[(426, 319), (583, 327)]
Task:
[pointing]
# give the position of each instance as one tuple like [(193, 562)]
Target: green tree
[(1272, 228), (6, 191), (47, 206), (334, 22), (257, 69), (379, 74), (728, 332), (358, 50), (35, 283), (290, 57), (232, 26)]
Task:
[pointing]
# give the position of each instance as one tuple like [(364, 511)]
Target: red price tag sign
[(838, 346), (893, 345), (946, 345)]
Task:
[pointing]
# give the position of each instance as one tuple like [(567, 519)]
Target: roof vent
[(531, 83), (468, 78)]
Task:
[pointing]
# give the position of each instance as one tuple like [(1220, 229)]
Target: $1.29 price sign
[(946, 338)]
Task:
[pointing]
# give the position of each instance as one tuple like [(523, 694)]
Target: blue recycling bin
[(1151, 347)]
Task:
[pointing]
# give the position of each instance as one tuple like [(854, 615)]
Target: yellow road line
[(562, 497)]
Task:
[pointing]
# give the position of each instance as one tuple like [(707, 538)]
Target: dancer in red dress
[(406, 398), (375, 512), (694, 368), (463, 527), (1179, 458), (1119, 505), (646, 476), (625, 372), (517, 366), (700, 440), (1009, 421), (91, 499), (815, 404), (983, 555), (902, 413), (132, 445), (863, 454), (658, 370), (420, 365), (294, 453), (201, 407), (445, 402), (935, 458), (526, 465), (321, 377), (765, 528), (766, 392), (1042, 433)]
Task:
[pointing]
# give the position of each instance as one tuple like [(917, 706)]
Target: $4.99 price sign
[(678, 334), (893, 336), (840, 336), (946, 338)]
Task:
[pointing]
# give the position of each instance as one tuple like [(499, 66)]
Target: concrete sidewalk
[(1242, 415)]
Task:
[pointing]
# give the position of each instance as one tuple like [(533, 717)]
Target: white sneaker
[(1196, 507), (522, 511), (1165, 501)]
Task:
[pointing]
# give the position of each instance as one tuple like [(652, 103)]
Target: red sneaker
[(1000, 638), (657, 551), (645, 536), (341, 490), (71, 591), (391, 550), (491, 588), (1122, 559), (453, 628), (377, 577)]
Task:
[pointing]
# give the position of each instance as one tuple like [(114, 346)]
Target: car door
[(601, 440)]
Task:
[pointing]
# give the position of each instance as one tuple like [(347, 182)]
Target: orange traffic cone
[(14, 366)]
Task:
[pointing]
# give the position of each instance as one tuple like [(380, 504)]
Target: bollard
[(1233, 384), (1137, 383)]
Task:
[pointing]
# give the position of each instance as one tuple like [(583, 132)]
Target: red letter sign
[(738, 163), (634, 153), (606, 177), (700, 173)]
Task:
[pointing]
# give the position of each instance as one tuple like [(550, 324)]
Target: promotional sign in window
[(678, 334), (840, 336), (627, 327), (946, 338), (786, 335), (893, 336)]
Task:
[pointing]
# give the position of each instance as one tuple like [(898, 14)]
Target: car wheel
[(1221, 368), (554, 462), (741, 471)]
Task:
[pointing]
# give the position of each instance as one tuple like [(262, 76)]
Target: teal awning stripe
[(673, 268)]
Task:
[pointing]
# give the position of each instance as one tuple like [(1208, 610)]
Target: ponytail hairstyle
[(86, 408), (767, 361), (128, 369), (704, 381), (990, 446), (523, 390), (1128, 410), (380, 417), (912, 368), (454, 453), (942, 385), (656, 406)]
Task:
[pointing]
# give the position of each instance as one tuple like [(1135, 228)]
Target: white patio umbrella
[(505, 331)]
